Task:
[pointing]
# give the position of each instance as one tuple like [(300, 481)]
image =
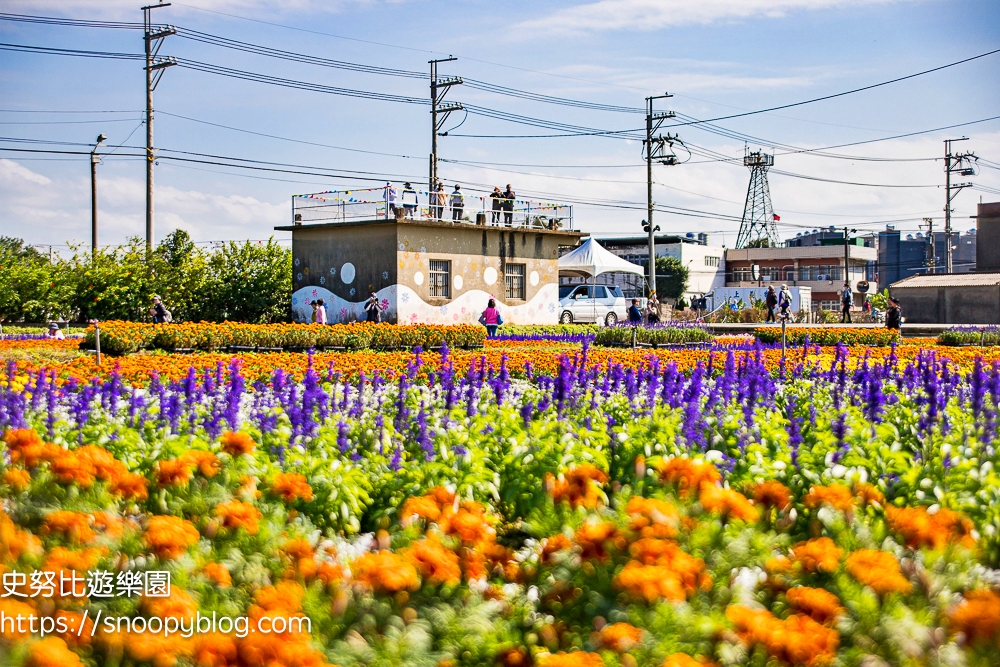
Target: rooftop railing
[(389, 203)]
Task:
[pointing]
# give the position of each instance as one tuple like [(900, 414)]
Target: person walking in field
[(457, 203), (491, 319), (771, 302), (785, 302), (893, 315), (320, 312), (846, 301), (159, 312)]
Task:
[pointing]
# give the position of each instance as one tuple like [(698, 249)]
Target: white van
[(592, 303)]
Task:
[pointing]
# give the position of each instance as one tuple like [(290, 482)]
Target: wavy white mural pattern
[(401, 303)]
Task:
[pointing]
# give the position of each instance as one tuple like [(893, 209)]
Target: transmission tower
[(758, 228)]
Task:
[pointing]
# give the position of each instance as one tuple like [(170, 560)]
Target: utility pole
[(655, 150), (439, 114), (94, 160), (930, 245), (847, 256), (154, 72), (959, 164)]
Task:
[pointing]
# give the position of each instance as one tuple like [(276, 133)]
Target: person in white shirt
[(320, 312)]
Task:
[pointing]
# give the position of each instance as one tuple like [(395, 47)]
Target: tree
[(671, 278), (32, 288), (251, 282)]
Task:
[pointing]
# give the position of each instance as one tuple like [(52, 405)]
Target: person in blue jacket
[(634, 314)]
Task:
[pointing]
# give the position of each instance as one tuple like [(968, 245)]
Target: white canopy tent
[(592, 259)]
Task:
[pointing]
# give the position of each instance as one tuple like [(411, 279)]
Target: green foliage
[(671, 277), (622, 335), (247, 282), (969, 336)]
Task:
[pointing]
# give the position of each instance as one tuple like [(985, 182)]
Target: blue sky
[(718, 57)]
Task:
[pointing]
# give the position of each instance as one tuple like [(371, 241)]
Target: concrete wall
[(988, 231), (344, 263), (478, 258), (974, 304)]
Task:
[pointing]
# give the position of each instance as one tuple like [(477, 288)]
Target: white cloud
[(657, 14), (11, 173)]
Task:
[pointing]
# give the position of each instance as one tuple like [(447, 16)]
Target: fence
[(340, 206)]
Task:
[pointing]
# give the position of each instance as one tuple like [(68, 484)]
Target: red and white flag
[(776, 217)]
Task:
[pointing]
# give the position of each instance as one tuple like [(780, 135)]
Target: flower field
[(533, 503)]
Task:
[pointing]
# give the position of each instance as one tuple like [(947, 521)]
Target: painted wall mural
[(401, 304)]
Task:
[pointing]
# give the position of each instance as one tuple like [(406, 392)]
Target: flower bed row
[(880, 337), (607, 515), (128, 337), (970, 336), (623, 335)]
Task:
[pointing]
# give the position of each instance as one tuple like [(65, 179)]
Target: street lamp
[(101, 138)]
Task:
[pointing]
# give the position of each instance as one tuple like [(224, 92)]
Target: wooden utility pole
[(153, 37)]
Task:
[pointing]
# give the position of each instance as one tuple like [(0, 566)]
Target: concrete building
[(950, 299), (427, 271), (705, 263), (988, 229), (818, 267), (900, 257)]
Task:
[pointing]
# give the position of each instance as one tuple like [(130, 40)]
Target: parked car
[(592, 303)]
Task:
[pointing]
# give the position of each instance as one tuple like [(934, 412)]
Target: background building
[(949, 298), (901, 256), (818, 267), (427, 271), (705, 263), (988, 228)]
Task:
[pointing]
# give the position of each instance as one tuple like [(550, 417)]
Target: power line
[(841, 94)]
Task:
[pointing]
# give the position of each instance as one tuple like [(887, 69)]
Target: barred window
[(514, 279), (440, 278)]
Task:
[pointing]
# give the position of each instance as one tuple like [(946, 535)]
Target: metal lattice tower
[(758, 228)]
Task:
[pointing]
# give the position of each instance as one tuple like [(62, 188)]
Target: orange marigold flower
[(15, 541), (652, 518), (218, 574), (130, 486), (621, 637), (179, 604), (270, 650), (684, 660), (772, 494), (385, 572), (52, 652), (238, 514), (169, 536), (69, 468), (879, 570), (977, 617), (469, 524), (206, 463), (74, 527), (573, 659), (687, 475), (14, 609), (16, 478), (837, 496), (690, 571), (214, 649), (597, 538), (579, 486), (155, 648), (237, 444), (27, 448), (819, 554), (81, 560), (108, 523), (727, 502), (173, 472), (435, 563), (868, 494), (421, 507), (285, 596), (797, 640), (72, 621), (650, 582), (920, 528), (817, 603), (291, 486), (553, 545), (106, 466)]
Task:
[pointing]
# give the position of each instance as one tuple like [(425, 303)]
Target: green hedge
[(877, 337), (548, 329), (622, 335), (969, 336)]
